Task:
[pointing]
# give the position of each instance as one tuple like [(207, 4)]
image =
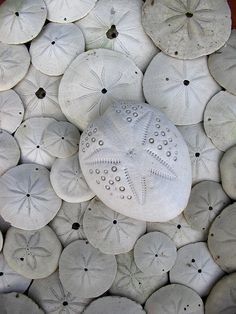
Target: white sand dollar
[(29, 136), (132, 283), (187, 29), (39, 93), (68, 223), (195, 268), (220, 120), (14, 64), (56, 47), (174, 299), (204, 155), (222, 298), (11, 281), (206, 201), (62, 11), (11, 111), (85, 271), (96, 79), (27, 199), (132, 157), (114, 305), (180, 88), (155, 253), (68, 181), (117, 25), (222, 64), (109, 231), (228, 171), (33, 254), (222, 239), (51, 296), (21, 21)]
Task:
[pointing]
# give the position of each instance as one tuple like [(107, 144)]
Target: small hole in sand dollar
[(1, 273), (210, 208), (189, 14), (65, 303), (114, 222), (75, 226), (197, 154), (186, 82), (179, 226), (17, 14), (85, 269)]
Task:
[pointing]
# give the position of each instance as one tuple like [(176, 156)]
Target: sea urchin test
[(136, 161)]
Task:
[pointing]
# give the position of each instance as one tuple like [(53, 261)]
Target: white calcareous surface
[(228, 171)]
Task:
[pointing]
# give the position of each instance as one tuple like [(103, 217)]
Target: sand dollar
[(227, 171)]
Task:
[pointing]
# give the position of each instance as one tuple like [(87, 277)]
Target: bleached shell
[(187, 29), (227, 171), (132, 283), (220, 120), (205, 156), (109, 231), (56, 47), (222, 64), (180, 88), (172, 298), (9, 152), (85, 271), (21, 21), (62, 11), (222, 239), (39, 93), (206, 201), (29, 136), (14, 64), (141, 151), (11, 281), (195, 268), (32, 254), (68, 181), (11, 111), (68, 223), (95, 80), (222, 298), (114, 305), (126, 17), (27, 199), (51, 296)]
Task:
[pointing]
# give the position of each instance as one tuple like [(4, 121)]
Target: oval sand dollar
[(227, 171)]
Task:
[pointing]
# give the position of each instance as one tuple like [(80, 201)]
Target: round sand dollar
[(27, 199), (174, 299), (206, 201), (94, 81), (68, 181), (180, 88), (21, 21), (222, 239), (227, 171), (155, 253), (187, 29), (85, 271), (32, 254), (14, 64), (195, 268), (109, 231), (117, 25), (222, 298), (39, 93), (56, 47), (141, 151), (51, 296)]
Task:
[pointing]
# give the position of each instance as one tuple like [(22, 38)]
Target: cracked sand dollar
[(95, 80), (21, 21), (174, 299), (222, 239), (227, 171), (32, 254), (187, 29), (132, 157), (56, 47), (207, 199), (27, 199), (117, 25), (195, 268), (85, 271), (180, 88), (109, 231), (51, 296)]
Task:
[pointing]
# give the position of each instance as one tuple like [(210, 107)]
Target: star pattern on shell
[(74, 177)]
